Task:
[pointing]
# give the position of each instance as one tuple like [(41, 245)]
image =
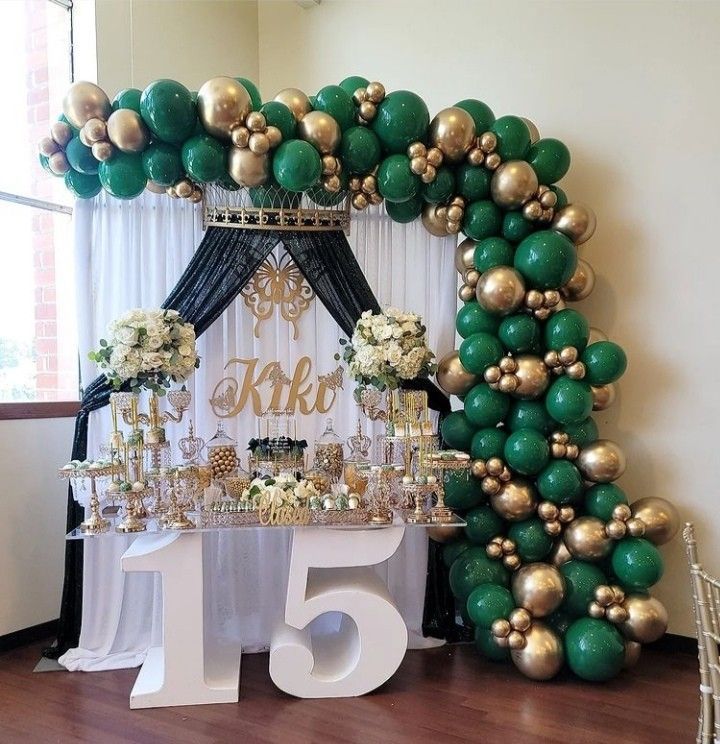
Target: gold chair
[(706, 605)]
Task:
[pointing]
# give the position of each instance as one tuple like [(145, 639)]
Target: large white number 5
[(329, 572)]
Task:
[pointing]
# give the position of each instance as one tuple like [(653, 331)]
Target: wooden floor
[(442, 695)]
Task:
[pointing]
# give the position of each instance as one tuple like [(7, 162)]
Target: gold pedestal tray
[(95, 523), (418, 492), (440, 513)]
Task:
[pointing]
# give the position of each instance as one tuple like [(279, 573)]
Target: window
[(38, 342)]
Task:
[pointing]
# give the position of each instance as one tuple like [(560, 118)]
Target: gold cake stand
[(440, 513), (95, 523)]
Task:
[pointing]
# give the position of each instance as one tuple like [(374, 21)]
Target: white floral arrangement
[(280, 491), (148, 348), (387, 348)]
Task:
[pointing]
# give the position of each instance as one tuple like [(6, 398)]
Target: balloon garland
[(554, 566)]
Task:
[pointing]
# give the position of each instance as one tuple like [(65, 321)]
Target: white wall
[(32, 520), (630, 87)]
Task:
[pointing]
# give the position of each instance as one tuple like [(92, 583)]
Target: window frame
[(19, 410)]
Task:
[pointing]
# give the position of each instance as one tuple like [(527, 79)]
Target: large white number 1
[(330, 572)]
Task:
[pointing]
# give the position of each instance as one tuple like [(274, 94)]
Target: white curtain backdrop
[(131, 254)]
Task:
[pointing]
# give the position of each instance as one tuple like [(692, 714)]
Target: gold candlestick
[(176, 519)]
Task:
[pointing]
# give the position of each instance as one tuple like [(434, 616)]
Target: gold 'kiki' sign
[(269, 388)]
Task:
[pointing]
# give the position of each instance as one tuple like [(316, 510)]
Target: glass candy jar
[(356, 464), (222, 453), (329, 453)]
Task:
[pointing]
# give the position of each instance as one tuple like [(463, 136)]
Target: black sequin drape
[(223, 264)]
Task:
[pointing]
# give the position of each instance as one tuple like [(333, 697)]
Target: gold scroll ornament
[(278, 283), (270, 388)]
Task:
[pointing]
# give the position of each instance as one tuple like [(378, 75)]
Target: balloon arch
[(554, 565)]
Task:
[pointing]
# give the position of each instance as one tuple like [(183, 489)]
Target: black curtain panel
[(225, 261)]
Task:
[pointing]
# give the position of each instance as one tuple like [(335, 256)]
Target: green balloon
[(81, 158), (297, 165), (482, 525), (486, 645), (562, 200), (637, 563), (167, 108), (333, 100), (567, 328), (203, 158), (560, 482), (550, 160), (482, 219), (481, 113), (530, 414), (404, 212), (457, 431), (559, 621), (492, 252), (485, 406), (352, 83), (472, 318), (473, 568), (513, 137), (473, 182), (162, 163), (526, 451), (360, 150), (441, 189), (462, 491), (521, 334), (532, 542), (451, 551), (127, 98), (488, 443), (253, 92), (122, 176), (569, 401), (604, 362), (480, 351), (401, 119), (515, 227), (581, 580), (594, 649), (45, 162), (583, 433), (272, 195), (82, 185), (488, 603), (395, 180), (602, 498), (279, 115), (547, 259)]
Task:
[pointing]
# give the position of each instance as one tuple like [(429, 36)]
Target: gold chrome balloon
[(452, 377), (434, 223), (61, 133), (466, 293), (585, 538), (441, 534), (48, 146), (501, 290), (660, 517), (320, 130), (248, 169), (102, 151), (516, 500), (559, 554), (533, 377), (581, 283), (222, 104), (452, 131), (95, 130), (647, 618), (539, 588), (532, 128), (576, 221), (465, 256), (603, 396), (85, 101), (513, 183), (601, 461), (542, 657), (127, 131), (296, 101), (632, 654), (58, 163)]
